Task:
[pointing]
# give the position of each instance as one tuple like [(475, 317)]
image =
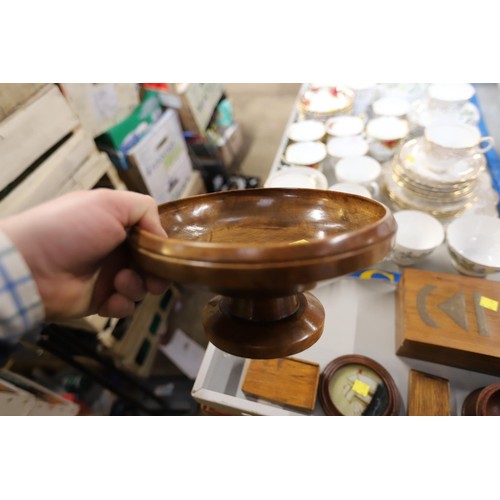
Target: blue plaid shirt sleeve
[(21, 308)]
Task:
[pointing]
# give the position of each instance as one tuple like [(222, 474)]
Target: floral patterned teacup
[(417, 236), (474, 244), (385, 134)]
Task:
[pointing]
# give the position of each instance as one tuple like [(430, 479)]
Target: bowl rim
[(370, 235)]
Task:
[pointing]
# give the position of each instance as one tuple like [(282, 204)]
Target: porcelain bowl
[(417, 236), (474, 244)]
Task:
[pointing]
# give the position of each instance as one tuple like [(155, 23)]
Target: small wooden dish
[(261, 249), (342, 367), (483, 402), (287, 381)]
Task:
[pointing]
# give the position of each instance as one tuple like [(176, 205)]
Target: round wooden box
[(355, 385)]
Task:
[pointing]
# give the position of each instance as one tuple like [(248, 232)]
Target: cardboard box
[(231, 144), (100, 106), (161, 159), (21, 396), (199, 101)]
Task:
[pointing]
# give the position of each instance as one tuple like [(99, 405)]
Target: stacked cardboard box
[(44, 152), (100, 106)]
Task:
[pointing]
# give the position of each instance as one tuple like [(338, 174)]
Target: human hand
[(74, 248)]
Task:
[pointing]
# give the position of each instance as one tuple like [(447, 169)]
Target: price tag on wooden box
[(448, 319)]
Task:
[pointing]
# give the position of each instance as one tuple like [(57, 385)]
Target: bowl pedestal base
[(264, 328)]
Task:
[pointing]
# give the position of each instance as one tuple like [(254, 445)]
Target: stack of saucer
[(413, 182), (320, 102)]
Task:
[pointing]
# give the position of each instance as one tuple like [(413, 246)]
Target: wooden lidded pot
[(483, 402), (336, 379)]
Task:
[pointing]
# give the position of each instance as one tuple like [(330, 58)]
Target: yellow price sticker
[(487, 303), (361, 388)]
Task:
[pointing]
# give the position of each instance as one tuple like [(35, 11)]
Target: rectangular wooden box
[(13, 95), (428, 395), (288, 381), (449, 319), (34, 128)]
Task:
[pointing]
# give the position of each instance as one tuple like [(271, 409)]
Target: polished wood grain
[(428, 395), (483, 402), (285, 336), (259, 249), (440, 319), (286, 381)]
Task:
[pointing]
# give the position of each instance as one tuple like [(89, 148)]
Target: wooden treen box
[(448, 319)]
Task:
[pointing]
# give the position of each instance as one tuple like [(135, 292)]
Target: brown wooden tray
[(286, 381)]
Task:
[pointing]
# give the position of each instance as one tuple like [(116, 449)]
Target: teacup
[(385, 134), (344, 126), (417, 236), (348, 187), (391, 106), (306, 154), (306, 130), (474, 244), (446, 100), (343, 147), (361, 170), (364, 94), (447, 143)]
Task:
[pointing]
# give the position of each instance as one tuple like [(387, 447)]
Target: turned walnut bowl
[(261, 250)]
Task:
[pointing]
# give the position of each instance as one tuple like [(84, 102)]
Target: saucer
[(413, 159), (297, 177), (420, 116), (325, 101), (306, 131)]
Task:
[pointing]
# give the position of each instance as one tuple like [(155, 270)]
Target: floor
[(263, 110)]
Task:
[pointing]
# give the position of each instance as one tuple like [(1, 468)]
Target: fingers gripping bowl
[(261, 250)]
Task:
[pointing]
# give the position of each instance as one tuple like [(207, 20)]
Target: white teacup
[(446, 100), (447, 143), (391, 106), (348, 187), (361, 170), (306, 130), (385, 135), (306, 154), (344, 126), (473, 243), (364, 94), (417, 236)]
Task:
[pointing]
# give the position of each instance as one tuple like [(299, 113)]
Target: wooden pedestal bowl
[(261, 250)]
